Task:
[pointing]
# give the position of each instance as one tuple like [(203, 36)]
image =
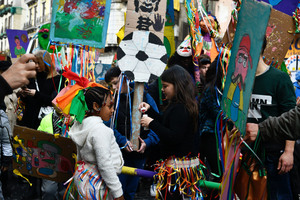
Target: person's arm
[(286, 160), (284, 127), (102, 147), (152, 138), (5, 141), (178, 124), (5, 88)]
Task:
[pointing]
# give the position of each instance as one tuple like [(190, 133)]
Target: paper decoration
[(278, 38), (243, 62), (169, 40), (146, 15), (80, 22), (44, 38), (285, 6), (294, 47), (43, 155), (18, 42), (141, 54)]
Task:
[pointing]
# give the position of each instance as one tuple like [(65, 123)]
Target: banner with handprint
[(145, 15), (80, 22)]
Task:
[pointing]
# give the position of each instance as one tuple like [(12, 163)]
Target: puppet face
[(148, 5), (242, 61), (184, 49)]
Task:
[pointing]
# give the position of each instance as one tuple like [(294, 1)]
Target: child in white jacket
[(98, 154)]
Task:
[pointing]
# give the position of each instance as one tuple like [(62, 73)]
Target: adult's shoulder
[(279, 74)]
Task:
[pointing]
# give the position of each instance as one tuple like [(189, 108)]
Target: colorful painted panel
[(43, 155), (285, 6), (244, 58), (146, 15), (18, 42), (278, 37), (80, 22)]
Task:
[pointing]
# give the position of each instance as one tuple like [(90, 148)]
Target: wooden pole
[(136, 114)]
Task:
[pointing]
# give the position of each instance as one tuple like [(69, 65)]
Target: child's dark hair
[(184, 89), (96, 94), (111, 73)]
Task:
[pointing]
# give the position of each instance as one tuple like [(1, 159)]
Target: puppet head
[(44, 38), (185, 49), (243, 58)]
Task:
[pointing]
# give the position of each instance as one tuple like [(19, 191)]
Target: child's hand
[(145, 121), (145, 106), (142, 146), (129, 147)]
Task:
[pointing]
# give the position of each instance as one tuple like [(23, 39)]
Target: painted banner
[(244, 58), (43, 155), (278, 37), (18, 42), (80, 22), (285, 6), (147, 16)]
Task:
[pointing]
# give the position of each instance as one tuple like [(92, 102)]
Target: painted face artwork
[(148, 5), (146, 8), (184, 49), (242, 61)]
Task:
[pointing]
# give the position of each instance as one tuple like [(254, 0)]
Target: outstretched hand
[(142, 146)]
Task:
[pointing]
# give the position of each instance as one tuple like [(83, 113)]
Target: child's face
[(107, 109), (115, 83), (168, 90)]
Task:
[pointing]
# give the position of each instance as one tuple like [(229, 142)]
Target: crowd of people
[(178, 130)]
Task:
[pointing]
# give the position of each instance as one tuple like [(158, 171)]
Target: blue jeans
[(130, 183), (278, 184)]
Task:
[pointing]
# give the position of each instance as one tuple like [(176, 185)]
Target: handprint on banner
[(145, 9)]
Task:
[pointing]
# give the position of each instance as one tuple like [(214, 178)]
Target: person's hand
[(144, 105), (30, 92), (142, 146), (145, 121), (251, 132), (120, 198), (19, 73), (128, 147), (285, 163)]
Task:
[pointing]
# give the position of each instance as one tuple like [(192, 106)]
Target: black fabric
[(175, 131), (47, 92), (5, 89)]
